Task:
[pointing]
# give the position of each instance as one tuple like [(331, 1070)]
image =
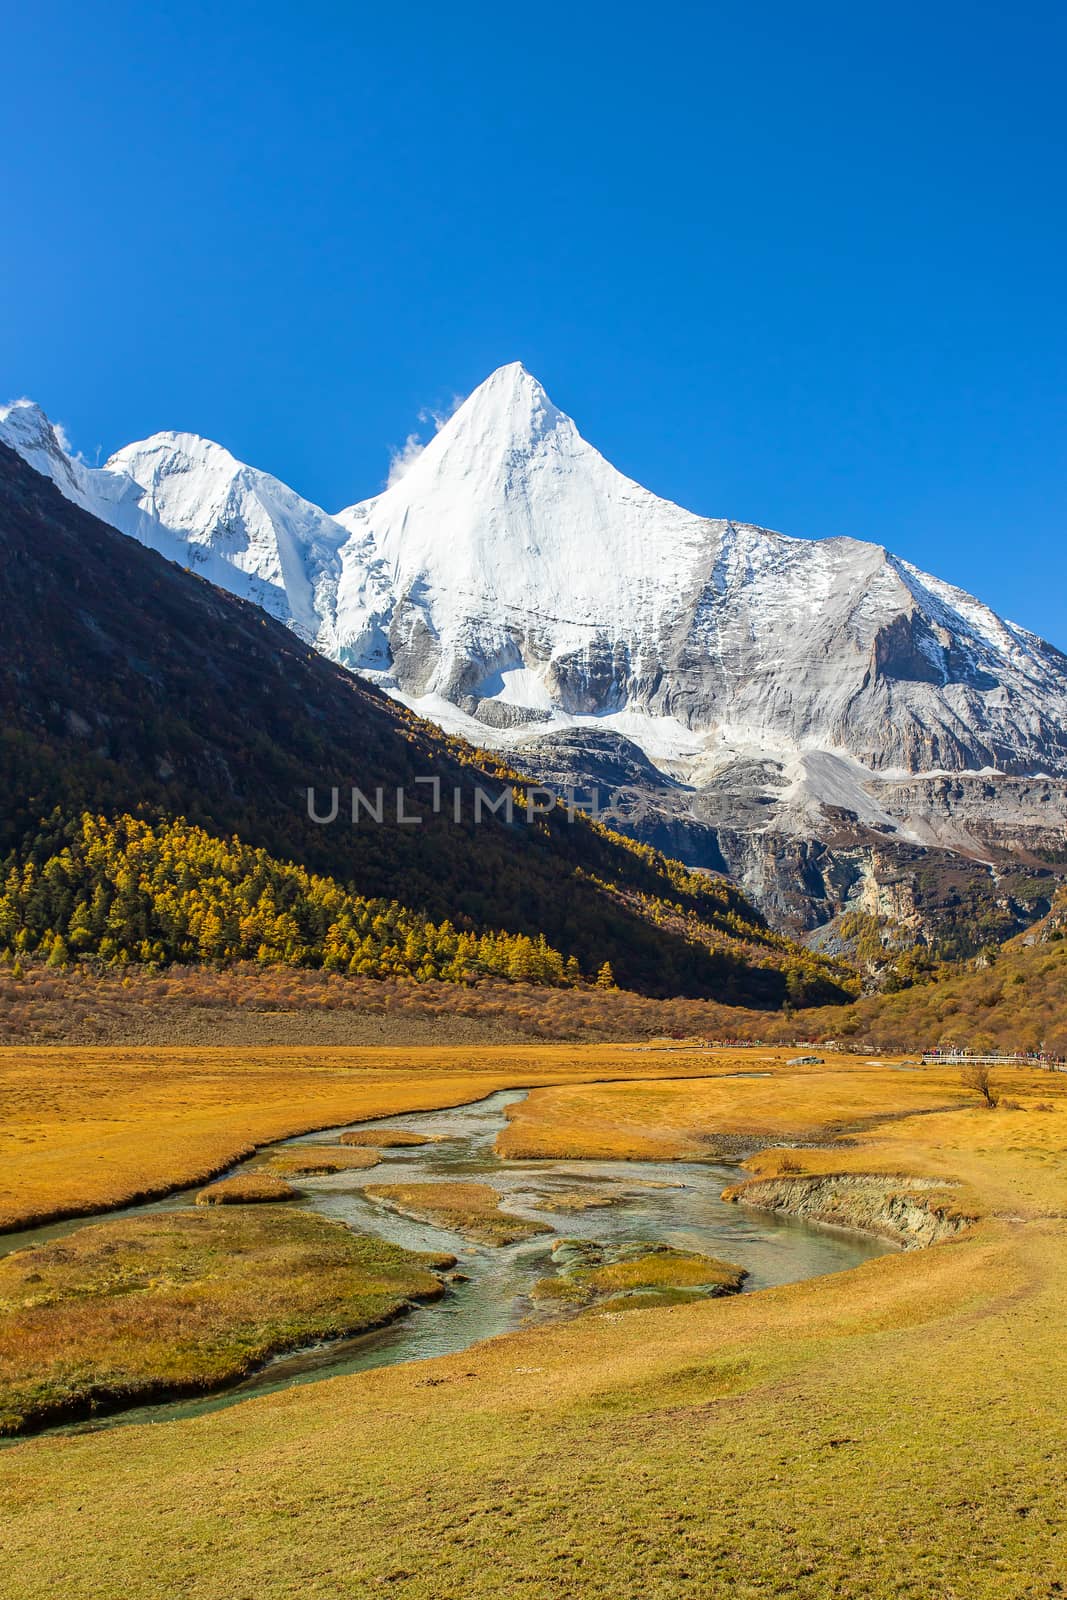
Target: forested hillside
[(126, 890), (1010, 998)]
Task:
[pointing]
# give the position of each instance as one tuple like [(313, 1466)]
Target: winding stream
[(675, 1203)]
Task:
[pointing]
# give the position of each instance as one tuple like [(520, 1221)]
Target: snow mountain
[(195, 503), (513, 584)]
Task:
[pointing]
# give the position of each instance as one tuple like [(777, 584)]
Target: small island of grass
[(245, 1189), (627, 1277), (580, 1200), (386, 1138), (472, 1209), (319, 1160)]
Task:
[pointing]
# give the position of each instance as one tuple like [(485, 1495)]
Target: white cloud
[(439, 418), (63, 438), (402, 459)]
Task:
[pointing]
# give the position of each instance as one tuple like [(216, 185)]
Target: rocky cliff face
[(955, 861)]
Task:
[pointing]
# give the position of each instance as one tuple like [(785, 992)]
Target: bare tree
[(975, 1075)]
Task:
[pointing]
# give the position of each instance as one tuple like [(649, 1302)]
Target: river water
[(675, 1203)]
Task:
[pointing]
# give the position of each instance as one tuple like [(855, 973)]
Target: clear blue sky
[(798, 265)]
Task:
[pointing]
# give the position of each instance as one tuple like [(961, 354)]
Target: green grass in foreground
[(183, 1301)]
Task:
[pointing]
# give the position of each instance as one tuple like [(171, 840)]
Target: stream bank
[(906, 1211), (613, 1205)]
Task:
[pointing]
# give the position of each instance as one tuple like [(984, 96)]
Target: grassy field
[(896, 1431), (183, 1301), (680, 1120)]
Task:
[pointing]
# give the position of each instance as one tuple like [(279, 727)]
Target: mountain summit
[(512, 582), (516, 556)]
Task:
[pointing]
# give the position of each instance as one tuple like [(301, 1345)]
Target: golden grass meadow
[(87, 1128), (896, 1430)]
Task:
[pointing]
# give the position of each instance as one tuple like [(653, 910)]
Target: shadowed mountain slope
[(127, 683)]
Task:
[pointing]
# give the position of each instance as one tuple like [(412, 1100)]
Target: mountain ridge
[(513, 573)]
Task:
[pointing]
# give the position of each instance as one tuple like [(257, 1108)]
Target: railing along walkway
[(967, 1058)]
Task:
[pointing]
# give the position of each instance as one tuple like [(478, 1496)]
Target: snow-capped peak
[(510, 410), (188, 446), (231, 517), (511, 513), (512, 579), (25, 428), (24, 419)]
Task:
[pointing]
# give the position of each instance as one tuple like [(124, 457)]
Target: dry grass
[(246, 1188), (721, 1452), (1011, 1162), (682, 1120), (319, 1160), (246, 1004), (385, 1138), (472, 1209), (182, 1301), (1017, 1003), (896, 1432), (84, 1129), (865, 1118), (893, 1433)]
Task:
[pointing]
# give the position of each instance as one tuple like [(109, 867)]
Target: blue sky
[(797, 265)]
